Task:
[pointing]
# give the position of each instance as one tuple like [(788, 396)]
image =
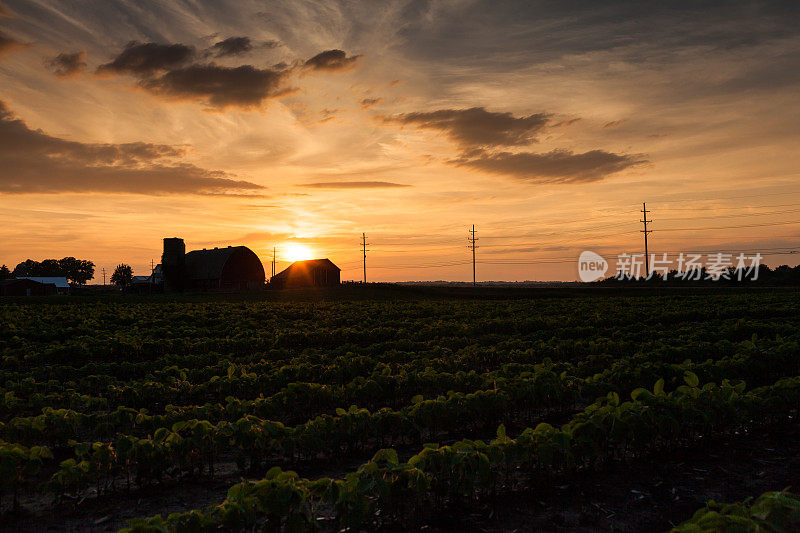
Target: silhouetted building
[(25, 287), (232, 268), (61, 283), (311, 273), (173, 265)]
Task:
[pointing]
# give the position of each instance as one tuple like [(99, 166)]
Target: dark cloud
[(232, 46), (65, 64), (476, 127), (35, 162), (4, 11), (354, 185), (7, 44), (146, 59), (245, 86), (236, 46), (331, 60), (170, 70), (369, 102), (557, 166)]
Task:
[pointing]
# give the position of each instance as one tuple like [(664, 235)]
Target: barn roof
[(60, 282), (208, 264), (309, 264)]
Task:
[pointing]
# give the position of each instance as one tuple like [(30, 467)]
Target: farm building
[(25, 287), (61, 283), (232, 267), (311, 273)]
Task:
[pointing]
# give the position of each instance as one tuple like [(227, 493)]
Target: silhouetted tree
[(28, 267), (5, 273), (122, 276), (77, 270)]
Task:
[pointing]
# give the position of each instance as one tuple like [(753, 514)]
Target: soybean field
[(574, 411)]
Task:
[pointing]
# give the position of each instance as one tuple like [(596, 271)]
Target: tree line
[(75, 270)]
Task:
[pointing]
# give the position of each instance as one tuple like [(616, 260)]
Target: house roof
[(59, 282), (15, 281), (309, 264)]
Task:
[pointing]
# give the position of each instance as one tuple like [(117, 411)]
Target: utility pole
[(645, 231), (152, 274), (364, 252), (104, 276), (274, 253), (471, 239)]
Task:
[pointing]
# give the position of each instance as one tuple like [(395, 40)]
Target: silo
[(173, 263)]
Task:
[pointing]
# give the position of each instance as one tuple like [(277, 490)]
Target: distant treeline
[(75, 270), (783, 275)]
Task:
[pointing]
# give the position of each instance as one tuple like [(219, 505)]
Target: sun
[(298, 252)]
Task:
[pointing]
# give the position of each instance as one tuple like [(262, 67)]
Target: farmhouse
[(232, 268), (311, 273)]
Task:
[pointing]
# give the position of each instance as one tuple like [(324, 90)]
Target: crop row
[(192, 446), (390, 491), (757, 361)]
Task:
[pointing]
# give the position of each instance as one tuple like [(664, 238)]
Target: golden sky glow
[(301, 125)]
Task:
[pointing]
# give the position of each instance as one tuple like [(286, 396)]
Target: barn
[(311, 273), (228, 268), (233, 267)]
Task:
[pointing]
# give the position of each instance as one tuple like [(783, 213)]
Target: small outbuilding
[(311, 273)]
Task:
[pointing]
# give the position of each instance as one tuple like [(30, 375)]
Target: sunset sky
[(544, 124)]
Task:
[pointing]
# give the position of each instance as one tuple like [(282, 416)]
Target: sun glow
[(298, 252)]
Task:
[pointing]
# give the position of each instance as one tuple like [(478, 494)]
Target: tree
[(5, 273), (122, 276), (77, 270), (27, 268)]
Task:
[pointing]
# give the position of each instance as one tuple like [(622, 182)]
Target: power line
[(724, 207), (736, 215), (731, 227)]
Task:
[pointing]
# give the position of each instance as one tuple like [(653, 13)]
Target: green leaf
[(691, 379), (658, 389), (388, 455)]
